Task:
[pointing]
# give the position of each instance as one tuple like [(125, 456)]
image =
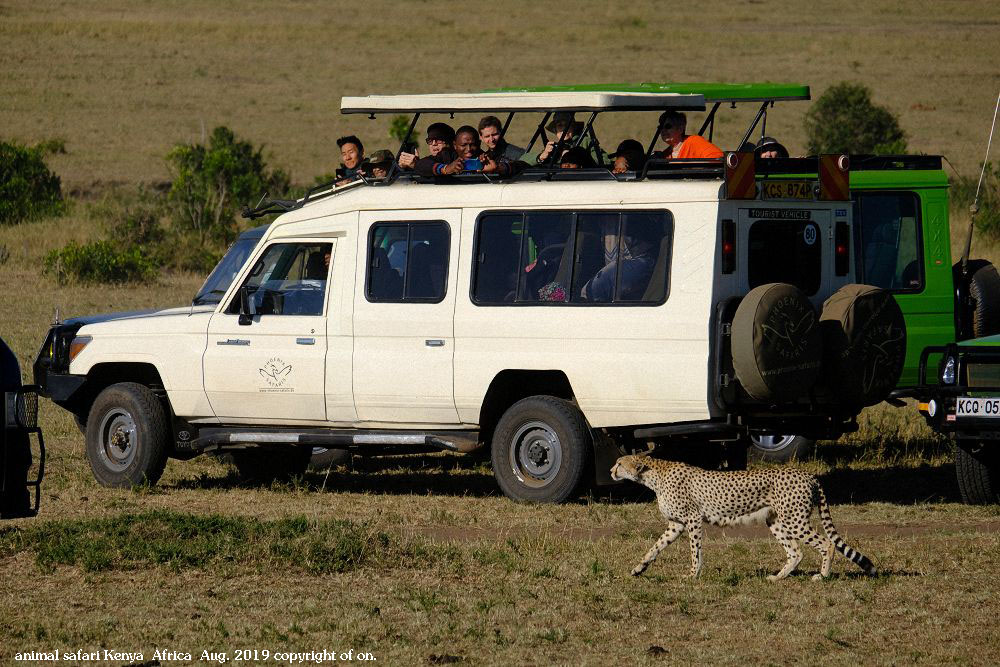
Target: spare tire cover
[(984, 290), (777, 347), (864, 340)]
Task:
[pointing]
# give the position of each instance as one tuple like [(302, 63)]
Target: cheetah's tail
[(839, 544)]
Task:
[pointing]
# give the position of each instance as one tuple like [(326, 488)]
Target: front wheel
[(780, 448), (977, 467), (127, 436), (540, 450)]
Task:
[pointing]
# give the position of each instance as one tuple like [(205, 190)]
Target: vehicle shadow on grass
[(444, 475)]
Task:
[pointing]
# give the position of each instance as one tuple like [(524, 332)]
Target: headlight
[(76, 346), (947, 374)]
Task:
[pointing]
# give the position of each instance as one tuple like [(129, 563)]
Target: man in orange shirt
[(680, 145)]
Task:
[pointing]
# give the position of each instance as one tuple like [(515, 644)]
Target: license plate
[(978, 407), (787, 189)]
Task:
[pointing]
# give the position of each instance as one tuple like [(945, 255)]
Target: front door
[(272, 369), (404, 306)]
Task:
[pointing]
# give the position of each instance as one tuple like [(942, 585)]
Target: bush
[(211, 183), (99, 262), (963, 194), (28, 190), (844, 120)]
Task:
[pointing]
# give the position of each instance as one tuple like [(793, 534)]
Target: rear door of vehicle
[(404, 308)]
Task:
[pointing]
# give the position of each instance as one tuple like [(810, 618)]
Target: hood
[(140, 314)]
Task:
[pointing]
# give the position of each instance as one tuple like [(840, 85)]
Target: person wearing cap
[(490, 129), (379, 164), (565, 128), (439, 137), (441, 143), (683, 146), (352, 154), (769, 147), (576, 158), (630, 156)]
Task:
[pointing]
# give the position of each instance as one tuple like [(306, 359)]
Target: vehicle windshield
[(225, 271)]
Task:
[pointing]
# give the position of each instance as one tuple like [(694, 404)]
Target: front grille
[(983, 375)]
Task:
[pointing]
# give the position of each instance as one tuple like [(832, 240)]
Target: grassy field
[(121, 82), (420, 560)]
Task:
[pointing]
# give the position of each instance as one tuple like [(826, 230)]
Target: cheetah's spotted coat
[(783, 498)]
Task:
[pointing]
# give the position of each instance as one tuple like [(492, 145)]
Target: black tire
[(776, 344), (780, 448), (541, 450), (260, 465), (128, 438), (322, 457), (977, 467), (864, 344), (984, 291)]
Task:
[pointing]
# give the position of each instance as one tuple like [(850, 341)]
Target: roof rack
[(452, 103)]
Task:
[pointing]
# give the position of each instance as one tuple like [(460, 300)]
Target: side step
[(211, 438)]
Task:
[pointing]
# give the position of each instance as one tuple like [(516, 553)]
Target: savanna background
[(419, 559)]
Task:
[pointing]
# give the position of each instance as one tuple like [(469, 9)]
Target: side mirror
[(247, 309)]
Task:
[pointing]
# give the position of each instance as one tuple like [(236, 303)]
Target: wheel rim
[(771, 443), (119, 440), (535, 454)]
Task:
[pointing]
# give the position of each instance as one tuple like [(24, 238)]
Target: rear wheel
[(322, 457), (780, 448), (127, 436), (977, 467), (540, 450)]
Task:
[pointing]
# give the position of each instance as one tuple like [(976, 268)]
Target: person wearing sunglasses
[(682, 146)]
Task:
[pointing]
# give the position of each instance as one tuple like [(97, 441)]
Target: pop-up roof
[(544, 101), (712, 92)]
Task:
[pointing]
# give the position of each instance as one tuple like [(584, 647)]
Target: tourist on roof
[(576, 158), (680, 145), (564, 128), (769, 147), (352, 154), (439, 137), (465, 156), (490, 129), (630, 156), (379, 164)]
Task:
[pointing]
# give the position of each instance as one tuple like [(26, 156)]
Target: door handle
[(233, 341), (305, 341), (434, 342)]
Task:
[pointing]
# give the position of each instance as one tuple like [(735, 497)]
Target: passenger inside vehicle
[(682, 146), (629, 156), (768, 147), (576, 158)]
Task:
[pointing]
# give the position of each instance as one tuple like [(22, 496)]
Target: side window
[(288, 279), (546, 257), (889, 227), (785, 251), (407, 262)]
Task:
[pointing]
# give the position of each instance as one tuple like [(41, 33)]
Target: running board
[(457, 441)]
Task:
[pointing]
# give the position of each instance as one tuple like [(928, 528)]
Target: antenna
[(974, 208), (56, 321)]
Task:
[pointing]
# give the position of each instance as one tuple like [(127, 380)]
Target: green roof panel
[(713, 92)]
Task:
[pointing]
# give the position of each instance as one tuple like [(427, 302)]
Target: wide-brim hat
[(770, 144), (564, 118)]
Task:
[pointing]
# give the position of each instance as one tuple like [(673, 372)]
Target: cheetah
[(783, 498)]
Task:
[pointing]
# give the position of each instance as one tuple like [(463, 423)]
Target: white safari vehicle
[(558, 317)]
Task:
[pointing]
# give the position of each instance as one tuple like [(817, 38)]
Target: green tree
[(28, 190), (211, 183), (845, 120), (398, 127)]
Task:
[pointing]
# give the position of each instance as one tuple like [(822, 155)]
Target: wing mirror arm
[(247, 309)]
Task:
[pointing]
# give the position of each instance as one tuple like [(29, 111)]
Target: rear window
[(572, 257), (785, 251)]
